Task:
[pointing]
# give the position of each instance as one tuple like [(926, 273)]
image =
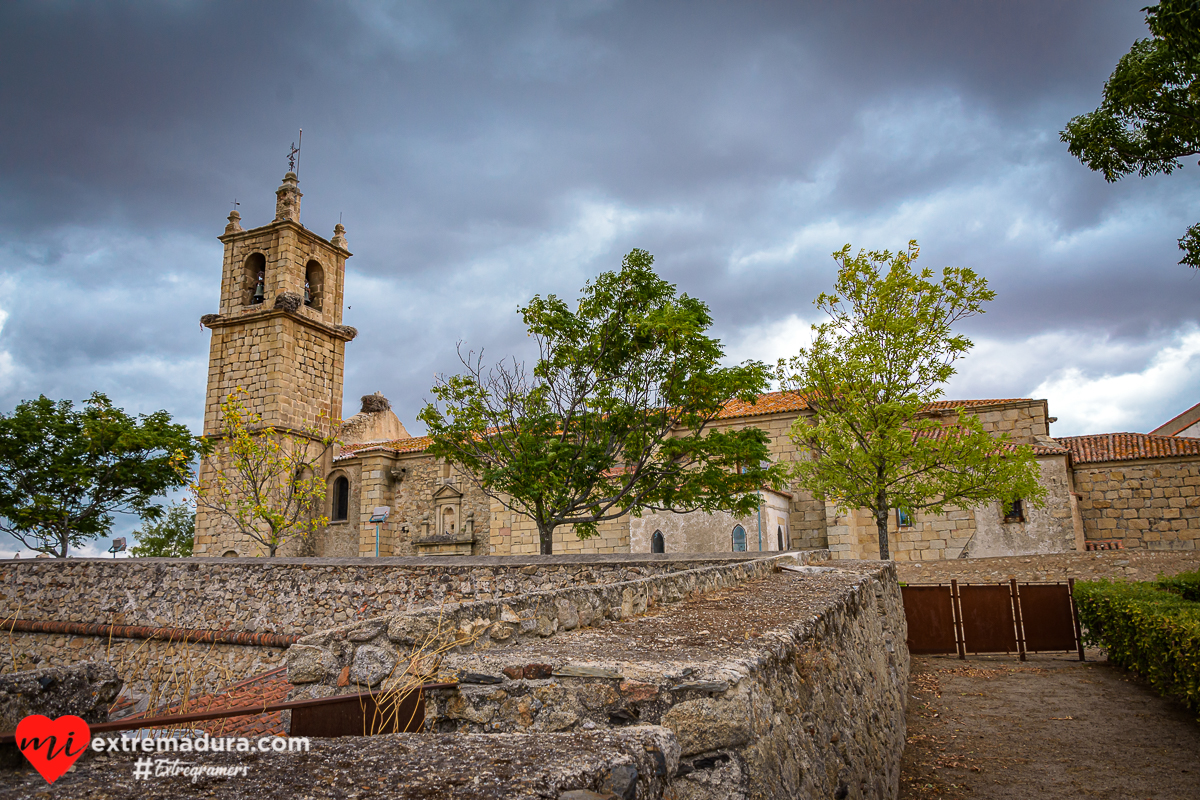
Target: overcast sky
[(481, 153)]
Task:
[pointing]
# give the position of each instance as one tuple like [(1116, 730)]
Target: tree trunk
[(881, 523), (546, 540)]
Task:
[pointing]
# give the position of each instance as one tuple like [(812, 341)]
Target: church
[(278, 335)]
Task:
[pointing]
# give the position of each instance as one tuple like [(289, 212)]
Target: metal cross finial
[(235, 204)]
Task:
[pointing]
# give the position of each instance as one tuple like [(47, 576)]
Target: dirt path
[(1052, 727)]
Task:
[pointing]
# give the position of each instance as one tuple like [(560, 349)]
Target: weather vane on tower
[(294, 155)]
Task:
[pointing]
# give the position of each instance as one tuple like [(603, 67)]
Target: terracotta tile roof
[(1127, 447), (262, 689), (1043, 448), (946, 405), (413, 444), (769, 403)]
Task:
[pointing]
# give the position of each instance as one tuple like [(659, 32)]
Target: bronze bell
[(258, 292)]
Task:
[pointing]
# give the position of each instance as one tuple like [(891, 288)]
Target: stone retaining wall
[(363, 654), (149, 668), (816, 710), (1132, 565), (294, 595), (595, 765)]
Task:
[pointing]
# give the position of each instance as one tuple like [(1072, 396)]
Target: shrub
[(1185, 584), (1146, 629)]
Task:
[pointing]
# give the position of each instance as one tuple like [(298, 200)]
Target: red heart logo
[(52, 745)]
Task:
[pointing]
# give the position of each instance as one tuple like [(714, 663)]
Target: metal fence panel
[(1046, 617), (930, 614), (987, 618), (361, 715)]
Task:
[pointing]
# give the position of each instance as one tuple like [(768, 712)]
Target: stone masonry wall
[(980, 531), (806, 517), (295, 596), (278, 596), (1152, 505), (320, 658), (159, 670), (1137, 565), (812, 708), (1023, 420), (413, 505), (516, 534)]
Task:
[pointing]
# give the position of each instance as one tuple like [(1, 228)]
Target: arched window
[(657, 544), (314, 285), (229, 554), (780, 529), (256, 279), (341, 499), (739, 539)]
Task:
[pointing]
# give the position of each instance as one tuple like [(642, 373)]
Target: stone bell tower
[(278, 334)]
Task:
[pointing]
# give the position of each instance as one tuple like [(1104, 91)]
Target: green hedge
[(1148, 629), (1185, 584)]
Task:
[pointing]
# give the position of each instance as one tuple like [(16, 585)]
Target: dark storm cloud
[(479, 153)]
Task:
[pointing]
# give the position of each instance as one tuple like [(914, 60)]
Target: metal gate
[(992, 618)]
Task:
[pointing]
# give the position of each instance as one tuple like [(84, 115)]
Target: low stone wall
[(348, 658), (773, 683), (1138, 565), (296, 595), (153, 671), (595, 765), (82, 690)]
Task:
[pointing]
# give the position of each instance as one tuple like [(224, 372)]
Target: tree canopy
[(872, 369), (1149, 118), (616, 415), (64, 472), (172, 536)]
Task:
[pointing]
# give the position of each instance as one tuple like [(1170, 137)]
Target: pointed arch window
[(657, 543), (739, 539)]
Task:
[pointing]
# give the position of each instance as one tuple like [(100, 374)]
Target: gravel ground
[(993, 727)]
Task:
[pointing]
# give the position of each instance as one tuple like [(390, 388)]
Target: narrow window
[(780, 529), (256, 279), (314, 285), (904, 518), (739, 539), (1015, 512), (341, 499), (657, 544)]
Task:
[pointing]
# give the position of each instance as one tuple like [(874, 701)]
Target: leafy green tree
[(868, 376), (170, 537), (1149, 117), (614, 418), (65, 472), (265, 481)]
